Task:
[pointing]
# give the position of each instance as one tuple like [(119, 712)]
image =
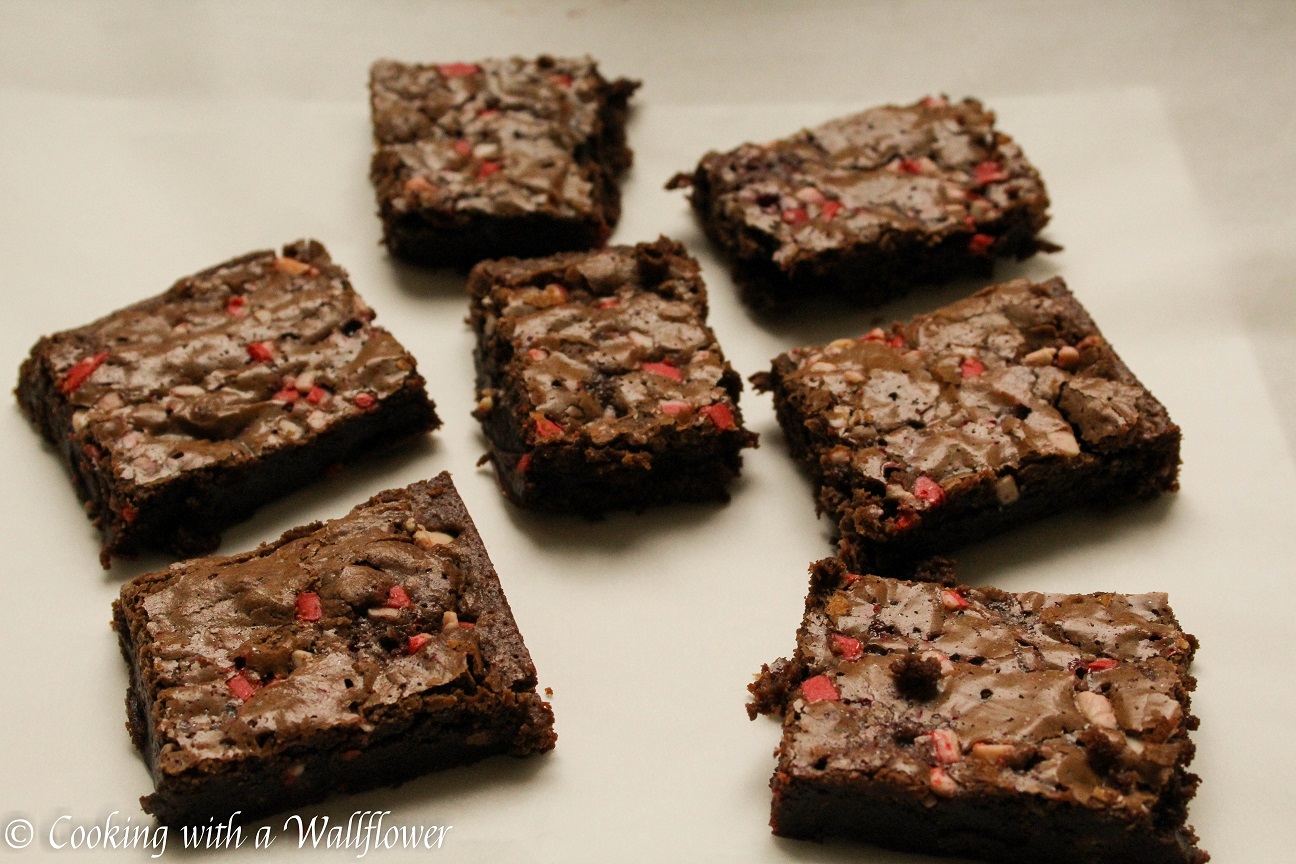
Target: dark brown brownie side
[(868, 206), (991, 412), (344, 656), (181, 414), (496, 158), (974, 722), (600, 385)]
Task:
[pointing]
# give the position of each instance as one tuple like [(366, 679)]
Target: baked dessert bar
[(181, 414), (600, 385), (1000, 408), (867, 206), (976, 722), (346, 655), (499, 157)]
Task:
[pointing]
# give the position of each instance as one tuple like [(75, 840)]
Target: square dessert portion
[(1000, 408), (346, 655), (495, 158), (183, 413), (867, 206), (600, 385), (974, 722)]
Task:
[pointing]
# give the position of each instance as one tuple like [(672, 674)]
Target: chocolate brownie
[(867, 206), (974, 722), (346, 655), (1000, 408), (499, 157), (600, 385), (183, 413)]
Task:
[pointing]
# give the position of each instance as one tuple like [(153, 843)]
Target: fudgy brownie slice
[(495, 158), (346, 655), (997, 409), (867, 206), (600, 385), (971, 721), (183, 413)]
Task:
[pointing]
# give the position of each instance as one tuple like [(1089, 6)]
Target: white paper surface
[(647, 627)]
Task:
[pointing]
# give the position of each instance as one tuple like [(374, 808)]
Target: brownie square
[(975, 722), (867, 206), (1000, 408), (498, 157), (346, 655), (183, 413), (600, 385)]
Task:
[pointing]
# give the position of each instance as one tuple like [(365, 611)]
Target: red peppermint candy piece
[(80, 371), (971, 367), (261, 352), (795, 216), (831, 209), (487, 169), (458, 70), (286, 394), (462, 147), (719, 414), (397, 598), (523, 464), (236, 306), (308, 606), (988, 172), (952, 599), (849, 648), (316, 395), (129, 514), (242, 687), (1102, 664), (664, 369), (608, 303), (946, 744), (927, 489), (910, 166), (904, 521), (416, 643), (820, 688), (560, 79), (546, 428), (674, 407), (363, 401), (980, 244)]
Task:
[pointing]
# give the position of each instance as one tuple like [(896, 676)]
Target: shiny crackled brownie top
[(936, 167), (606, 344), (964, 690), (1014, 374), (507, 136), (323, 632), (230, 364)]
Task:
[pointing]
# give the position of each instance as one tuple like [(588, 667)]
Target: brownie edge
[(345, 655), (1014, 727)]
